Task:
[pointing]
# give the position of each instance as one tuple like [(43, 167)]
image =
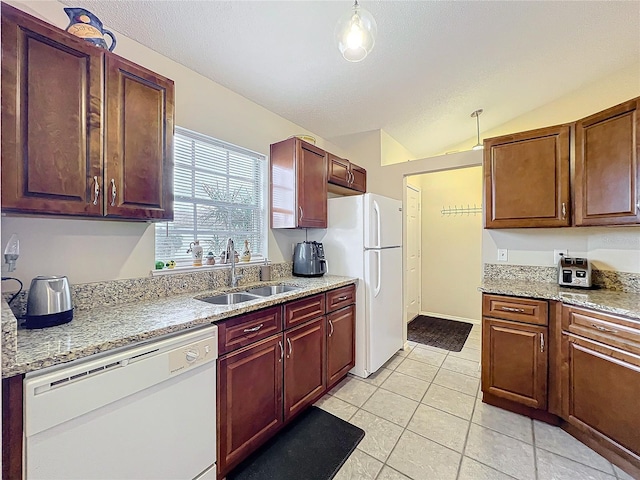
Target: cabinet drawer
[(302, 310), (341, 297), (611, 330), (243, 330), (517, 309)]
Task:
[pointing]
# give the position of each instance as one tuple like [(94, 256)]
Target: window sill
[(257, 260)]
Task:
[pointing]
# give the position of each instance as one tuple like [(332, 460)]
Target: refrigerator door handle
[(376, 208), (376, 291)]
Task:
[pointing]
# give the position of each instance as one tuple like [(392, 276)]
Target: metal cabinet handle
[(290, 348), (331, 325), (603, 329), (347, 175), (96, 190), (343, 298), (541, 342), (113, 192), (509, 309), (301, 212), (254, 329), (353, 177), (281, 351), (564, 210)]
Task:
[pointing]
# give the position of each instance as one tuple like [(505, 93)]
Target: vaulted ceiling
[(434, 62)]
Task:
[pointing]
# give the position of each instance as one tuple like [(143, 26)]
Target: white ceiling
[(434, 62)]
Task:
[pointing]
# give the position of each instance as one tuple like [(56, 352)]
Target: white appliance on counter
[(145, 412), (364, 240)]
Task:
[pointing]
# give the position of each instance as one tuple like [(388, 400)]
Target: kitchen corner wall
[(609, 248), (92, 250)]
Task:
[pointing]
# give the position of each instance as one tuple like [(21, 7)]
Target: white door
[(413, 287), (384, 323)]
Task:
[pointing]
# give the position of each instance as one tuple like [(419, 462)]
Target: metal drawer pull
[(541, 342), (564, 210), (113, 192), (254, 329), (603, 329), (96, 190), (301, 212), (281, 351), (290, 348), (331, 325), (343, 298), (509, 309)]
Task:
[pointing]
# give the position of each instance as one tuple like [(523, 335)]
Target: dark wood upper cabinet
[(298, 182), (138, 151), (304, 366), (514, 361), (73, 133), (341, 329), (345, 177), (606, 167), (527, 179), (51, 119)]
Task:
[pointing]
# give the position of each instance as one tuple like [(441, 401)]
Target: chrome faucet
[(231, 254)]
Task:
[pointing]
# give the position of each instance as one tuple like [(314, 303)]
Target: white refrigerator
[(364, 240)]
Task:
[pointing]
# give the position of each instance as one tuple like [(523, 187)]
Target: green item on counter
[(159, 265)]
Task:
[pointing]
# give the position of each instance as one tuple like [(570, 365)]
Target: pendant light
[(356, 33), (477, 113)]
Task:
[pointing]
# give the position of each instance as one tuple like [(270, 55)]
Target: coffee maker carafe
[(308, 260)]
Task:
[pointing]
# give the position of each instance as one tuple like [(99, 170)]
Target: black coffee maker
[(308, 260)]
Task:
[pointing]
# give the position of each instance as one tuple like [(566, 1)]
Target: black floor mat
[(438, 332), (313, 447)]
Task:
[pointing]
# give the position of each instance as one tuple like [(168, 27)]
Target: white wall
[(451, 245), (87, 250)]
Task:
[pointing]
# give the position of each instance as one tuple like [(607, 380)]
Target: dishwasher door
[(147, 412)]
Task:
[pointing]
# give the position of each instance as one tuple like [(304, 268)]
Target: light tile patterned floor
[(424, 420)]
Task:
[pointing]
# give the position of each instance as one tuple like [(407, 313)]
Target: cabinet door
[(51, 119), (358, 178), (514, 361), (311, 186), (341, 343), (603, 387), (339, 173), (139, 142), (250, 399), (304, 368), (527, 179), (606, 167)]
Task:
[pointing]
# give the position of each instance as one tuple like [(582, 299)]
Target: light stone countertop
[(105, 328), (608, 301)]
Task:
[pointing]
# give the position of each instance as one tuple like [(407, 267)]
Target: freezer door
[(383, 274), (382, 222)]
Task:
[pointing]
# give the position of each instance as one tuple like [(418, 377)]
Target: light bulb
[(478, 147), (355, 33)]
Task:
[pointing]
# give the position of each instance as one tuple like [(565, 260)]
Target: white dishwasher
[(146, 412)]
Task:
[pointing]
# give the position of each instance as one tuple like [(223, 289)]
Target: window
[(219, 193)]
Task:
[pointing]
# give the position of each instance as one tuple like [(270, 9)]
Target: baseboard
[(451, 317)]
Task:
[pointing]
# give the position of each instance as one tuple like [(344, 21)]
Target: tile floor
[(424, 420)]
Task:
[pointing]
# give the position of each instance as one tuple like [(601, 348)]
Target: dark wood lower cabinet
[(602, 391), (340, 343), (304, 366), (249, 400), (514, 362)]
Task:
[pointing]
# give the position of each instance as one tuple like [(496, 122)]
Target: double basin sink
[(248, 295)]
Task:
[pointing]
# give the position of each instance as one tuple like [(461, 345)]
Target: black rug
[(438, 332), (313, 447)]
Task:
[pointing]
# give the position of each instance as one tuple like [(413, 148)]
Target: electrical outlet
[(557, 253), (503, 254)]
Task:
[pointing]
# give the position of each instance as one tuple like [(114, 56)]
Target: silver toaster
[(574, 272)]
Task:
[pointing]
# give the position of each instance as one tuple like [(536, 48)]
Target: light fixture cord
[(478, 126)]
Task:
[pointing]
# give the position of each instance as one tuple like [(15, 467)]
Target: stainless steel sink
[(230, 298), (272, 290)]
